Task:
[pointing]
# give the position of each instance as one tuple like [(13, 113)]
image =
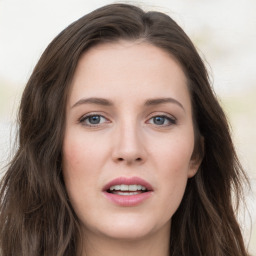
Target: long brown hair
[(36, 217)]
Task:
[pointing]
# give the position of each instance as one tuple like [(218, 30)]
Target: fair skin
[(128, 115)]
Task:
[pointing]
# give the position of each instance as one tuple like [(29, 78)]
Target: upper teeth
[(127, 187)]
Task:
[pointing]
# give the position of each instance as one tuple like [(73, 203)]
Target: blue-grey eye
[(93, 120), (162, 120), (159, 120)]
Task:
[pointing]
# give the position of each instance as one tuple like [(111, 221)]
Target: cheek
[(83, 158), (174, 154), (75, 171), (173, 160), (173, 183), (74, 162), (79, 151), (71, 157)]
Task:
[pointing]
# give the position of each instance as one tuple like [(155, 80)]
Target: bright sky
[(224, 29)]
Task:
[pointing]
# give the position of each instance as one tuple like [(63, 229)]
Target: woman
[(123, 147)]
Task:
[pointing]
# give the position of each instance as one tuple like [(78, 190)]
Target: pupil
[(94, 119), (159, 120)]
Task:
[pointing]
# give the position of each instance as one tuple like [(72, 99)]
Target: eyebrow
[(97, 101), (159, 101), (105, 102)]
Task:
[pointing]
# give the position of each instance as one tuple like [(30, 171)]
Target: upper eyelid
[(93, 114), (159, 113)]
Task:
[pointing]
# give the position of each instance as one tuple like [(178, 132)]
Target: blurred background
[(224, 31)]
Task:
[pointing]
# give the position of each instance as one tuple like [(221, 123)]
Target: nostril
[(129, 160)]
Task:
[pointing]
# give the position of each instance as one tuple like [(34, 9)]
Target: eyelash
[(83, 119), (171, 120)]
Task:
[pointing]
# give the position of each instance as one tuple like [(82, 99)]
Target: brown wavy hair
[(36, 217)]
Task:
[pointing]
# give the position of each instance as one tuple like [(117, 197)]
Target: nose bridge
[(129, 145)]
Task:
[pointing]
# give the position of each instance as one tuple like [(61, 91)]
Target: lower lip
[(131, 200)]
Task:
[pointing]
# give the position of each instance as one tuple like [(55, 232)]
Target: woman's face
[(128, 140)]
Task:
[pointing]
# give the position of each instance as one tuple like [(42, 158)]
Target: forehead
[(128, 69), (123, 53)]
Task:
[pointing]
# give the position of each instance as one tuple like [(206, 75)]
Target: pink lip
[(128, 181), (131, 200)]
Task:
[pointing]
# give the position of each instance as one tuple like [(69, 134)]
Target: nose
[(129, 145)]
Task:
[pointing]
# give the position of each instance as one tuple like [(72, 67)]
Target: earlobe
[(197, 158), (193, 168)]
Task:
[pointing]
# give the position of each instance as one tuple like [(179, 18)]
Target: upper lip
[(128, 181)]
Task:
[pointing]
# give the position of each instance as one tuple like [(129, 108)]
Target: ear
[(196, 158)]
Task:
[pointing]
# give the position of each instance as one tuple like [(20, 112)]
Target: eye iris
[(94, 119), (159, 120)]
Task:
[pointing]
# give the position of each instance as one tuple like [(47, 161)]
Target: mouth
[(127, 191)]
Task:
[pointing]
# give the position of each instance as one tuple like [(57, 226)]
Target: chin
[(128, 233), (129, 228)]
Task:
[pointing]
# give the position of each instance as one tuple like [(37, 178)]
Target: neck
[(153, 245)]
